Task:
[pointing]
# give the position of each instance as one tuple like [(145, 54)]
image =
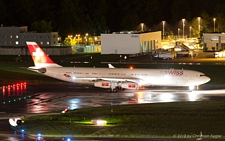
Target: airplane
[(111, 78)]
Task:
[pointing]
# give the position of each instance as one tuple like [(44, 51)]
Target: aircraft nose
[(207, 79)]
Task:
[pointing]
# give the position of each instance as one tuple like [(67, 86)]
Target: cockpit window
[(202, 75)]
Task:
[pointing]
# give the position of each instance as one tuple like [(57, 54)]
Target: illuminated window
[(17, 36), (214, 38), (47, 43), (11, 36), (41, 43), (17, 42)]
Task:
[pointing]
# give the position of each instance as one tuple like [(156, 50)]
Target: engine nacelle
[(129, 85), (102, 84), (42, 70), (15, 121)]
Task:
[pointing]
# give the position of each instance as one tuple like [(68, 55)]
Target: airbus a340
[(114, 79)]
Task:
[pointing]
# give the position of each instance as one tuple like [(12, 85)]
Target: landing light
[(131, 68), (191, 88), (73, 77)]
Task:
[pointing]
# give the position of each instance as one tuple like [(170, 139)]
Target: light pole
[(86, 38), (163, 28), (199, 26), (190, 31), (178, 32), (214, 21), (142, 27), (120, 58), (183, 27)]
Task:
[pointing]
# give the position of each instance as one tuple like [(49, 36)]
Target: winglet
[(39, 57), (111, 66)]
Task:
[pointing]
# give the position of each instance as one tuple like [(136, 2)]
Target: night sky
[(101, 16)]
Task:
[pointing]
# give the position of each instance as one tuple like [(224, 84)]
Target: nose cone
[(206, 79)]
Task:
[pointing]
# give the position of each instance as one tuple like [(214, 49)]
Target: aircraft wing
[(136, 80)]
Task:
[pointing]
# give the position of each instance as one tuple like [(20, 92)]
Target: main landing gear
[(112, 90), (115, 90)]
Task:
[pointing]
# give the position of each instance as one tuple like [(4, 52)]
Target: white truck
[(165, 55), (220, 54)]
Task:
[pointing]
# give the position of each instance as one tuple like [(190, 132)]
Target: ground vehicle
[(165, 55), (220, 54), (182, 53)]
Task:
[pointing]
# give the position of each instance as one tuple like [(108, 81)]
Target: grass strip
[(143, 120)]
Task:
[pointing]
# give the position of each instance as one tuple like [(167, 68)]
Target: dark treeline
[(100, 16)]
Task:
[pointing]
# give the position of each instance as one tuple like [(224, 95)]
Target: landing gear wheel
[(112, 90), (115, 90)]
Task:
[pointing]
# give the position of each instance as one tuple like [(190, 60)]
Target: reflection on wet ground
[(37, 100), (52, 99)]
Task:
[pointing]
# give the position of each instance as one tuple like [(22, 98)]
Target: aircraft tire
[(115, 90)]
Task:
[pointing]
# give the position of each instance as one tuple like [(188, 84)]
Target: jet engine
[(41, 70), (103, 84), (129, 85)]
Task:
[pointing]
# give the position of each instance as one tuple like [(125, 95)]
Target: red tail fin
[(39, 57)]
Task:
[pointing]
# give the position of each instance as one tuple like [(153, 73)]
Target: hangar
[(130, 42), (214, 41)]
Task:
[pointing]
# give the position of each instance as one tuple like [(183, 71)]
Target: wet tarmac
[(39, 99)]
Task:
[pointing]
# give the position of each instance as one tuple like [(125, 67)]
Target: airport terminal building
[(214, 41), (13, 41), (17, 36), (130, 42)]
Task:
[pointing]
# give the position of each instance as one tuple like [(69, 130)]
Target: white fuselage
[(143, 77)]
